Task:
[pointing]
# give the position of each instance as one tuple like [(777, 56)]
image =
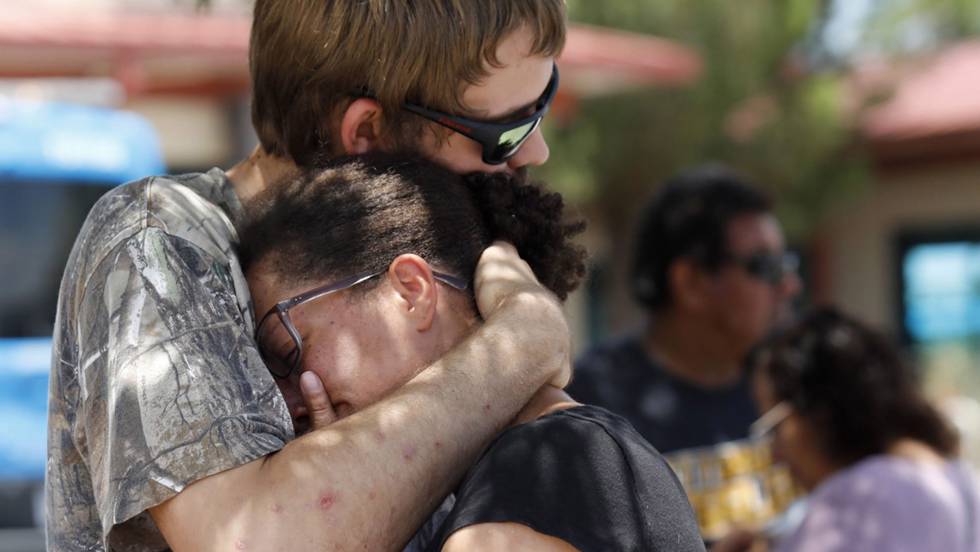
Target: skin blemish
[(372, 495), (486, 407), (240, 545), (326, 501), (276, 508), (408, 453), (438, 444)]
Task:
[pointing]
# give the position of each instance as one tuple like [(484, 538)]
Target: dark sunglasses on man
[(767, 266), (500, 141)]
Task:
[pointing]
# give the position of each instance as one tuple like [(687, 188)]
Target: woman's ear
[(411, 278), (360, 126)]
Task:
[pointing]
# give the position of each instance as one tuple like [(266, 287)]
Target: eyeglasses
[(771, 268), (500, 141), (770, 420), (282, 365)]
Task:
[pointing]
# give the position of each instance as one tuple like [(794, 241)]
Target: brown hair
[(309, 58), (853, 384)]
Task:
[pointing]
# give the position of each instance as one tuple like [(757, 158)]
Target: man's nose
[(791, 285), (534, 152)]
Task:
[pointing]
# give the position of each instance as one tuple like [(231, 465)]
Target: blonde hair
[(310, 58)]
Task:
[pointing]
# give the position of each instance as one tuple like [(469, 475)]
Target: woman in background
[(847, 416)]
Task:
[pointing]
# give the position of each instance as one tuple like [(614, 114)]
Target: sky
[(843, 32)]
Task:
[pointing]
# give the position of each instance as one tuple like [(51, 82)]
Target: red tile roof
[(154, 52), (931, 110), (939, 96)]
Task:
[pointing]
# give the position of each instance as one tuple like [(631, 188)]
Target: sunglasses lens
[(510, 141), (772, 268), (514, 137)]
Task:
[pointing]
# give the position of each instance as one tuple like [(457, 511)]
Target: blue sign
[(942, 291), (24, 366), (74, 143)]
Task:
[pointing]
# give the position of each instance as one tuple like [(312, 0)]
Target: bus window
[(38, 225)]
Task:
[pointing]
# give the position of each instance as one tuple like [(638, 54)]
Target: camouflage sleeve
[(172, 386)]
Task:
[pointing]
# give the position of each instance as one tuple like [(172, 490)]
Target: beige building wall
[(859, 258), (194, 132), (859, 241)]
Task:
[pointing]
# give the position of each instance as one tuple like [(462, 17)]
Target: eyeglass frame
[(768, 422), (488, 134), (283, 307)]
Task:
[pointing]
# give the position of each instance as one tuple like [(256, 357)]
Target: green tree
[(756, 106)]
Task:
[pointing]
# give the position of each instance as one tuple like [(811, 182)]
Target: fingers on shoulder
[(503, 537)]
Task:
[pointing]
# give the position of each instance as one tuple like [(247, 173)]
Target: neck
[(909, 449), (915, 450), (257, 172), (690, 350), (820, 469), (548, 399)]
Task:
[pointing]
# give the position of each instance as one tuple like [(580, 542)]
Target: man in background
[(712, 273)]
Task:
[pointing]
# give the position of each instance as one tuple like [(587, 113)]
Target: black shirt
[(702, 432), (669, 412), (583, 475)]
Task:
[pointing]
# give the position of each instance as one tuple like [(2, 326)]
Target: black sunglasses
[(500, 141), (771, 268)]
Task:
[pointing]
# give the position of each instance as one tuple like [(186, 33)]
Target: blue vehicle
[(56, 160)]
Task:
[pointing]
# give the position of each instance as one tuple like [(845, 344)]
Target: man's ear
[(688, 284), (411, 278), (360, 126)]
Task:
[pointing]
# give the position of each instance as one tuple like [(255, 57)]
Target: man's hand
[(501, 274), (504, 280), (317, 402)]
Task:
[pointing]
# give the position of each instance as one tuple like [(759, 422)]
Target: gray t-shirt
[(156, 381)]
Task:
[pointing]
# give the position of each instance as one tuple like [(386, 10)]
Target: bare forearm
[(368, 481)]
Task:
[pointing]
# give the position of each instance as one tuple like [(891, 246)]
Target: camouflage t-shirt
[(155, 378)]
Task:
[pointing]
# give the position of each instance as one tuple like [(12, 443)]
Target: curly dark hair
[(359, 213), (852, 384), (689, 217)]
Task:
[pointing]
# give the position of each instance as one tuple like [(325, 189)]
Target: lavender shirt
[(894, 504)]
